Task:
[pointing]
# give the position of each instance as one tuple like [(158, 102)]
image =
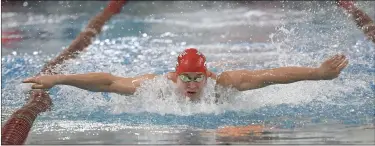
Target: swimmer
[(190, 77)]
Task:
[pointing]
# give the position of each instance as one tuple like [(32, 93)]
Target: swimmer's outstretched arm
[(246, 79), (96, 82)]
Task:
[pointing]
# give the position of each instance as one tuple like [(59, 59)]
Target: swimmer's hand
[(331, 68), (42, 82)]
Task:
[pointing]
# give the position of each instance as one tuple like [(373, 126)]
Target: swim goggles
[(186, 78)]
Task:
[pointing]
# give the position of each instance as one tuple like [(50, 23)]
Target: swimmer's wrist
[(317, 74), (60, 79)]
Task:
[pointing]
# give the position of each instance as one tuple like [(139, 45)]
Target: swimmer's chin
[(192, 95)]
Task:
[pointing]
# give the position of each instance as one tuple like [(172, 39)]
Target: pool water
[(146, 38)]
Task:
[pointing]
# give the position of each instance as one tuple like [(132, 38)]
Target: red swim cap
[(191, 60)]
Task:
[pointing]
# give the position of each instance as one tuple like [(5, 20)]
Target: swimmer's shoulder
[(211, 75), (171, 76)]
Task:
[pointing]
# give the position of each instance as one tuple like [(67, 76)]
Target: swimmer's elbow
[(128, 86), (121, 89), (241, 80), (123, 86)]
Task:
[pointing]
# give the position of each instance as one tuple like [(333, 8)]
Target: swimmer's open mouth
[(191, 92)]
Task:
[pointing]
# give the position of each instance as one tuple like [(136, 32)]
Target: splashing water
[(151, 44)]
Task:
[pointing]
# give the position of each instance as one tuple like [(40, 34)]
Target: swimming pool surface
[(146, 38)]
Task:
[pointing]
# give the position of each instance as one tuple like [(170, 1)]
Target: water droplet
[(168, 41), (96, 42), (14, 53), (25, 4), (144, 35), (105, 27), (141, 57)]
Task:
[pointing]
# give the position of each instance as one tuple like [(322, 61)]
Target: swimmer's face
[(191, 84)]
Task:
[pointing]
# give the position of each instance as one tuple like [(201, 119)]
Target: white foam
[(294, 44)]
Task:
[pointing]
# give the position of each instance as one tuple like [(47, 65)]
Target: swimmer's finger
[(338, 60), (29, 80), (37, 86), (343, 64), (333, 58)]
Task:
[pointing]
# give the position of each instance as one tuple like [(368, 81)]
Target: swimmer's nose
[(192, 85)]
